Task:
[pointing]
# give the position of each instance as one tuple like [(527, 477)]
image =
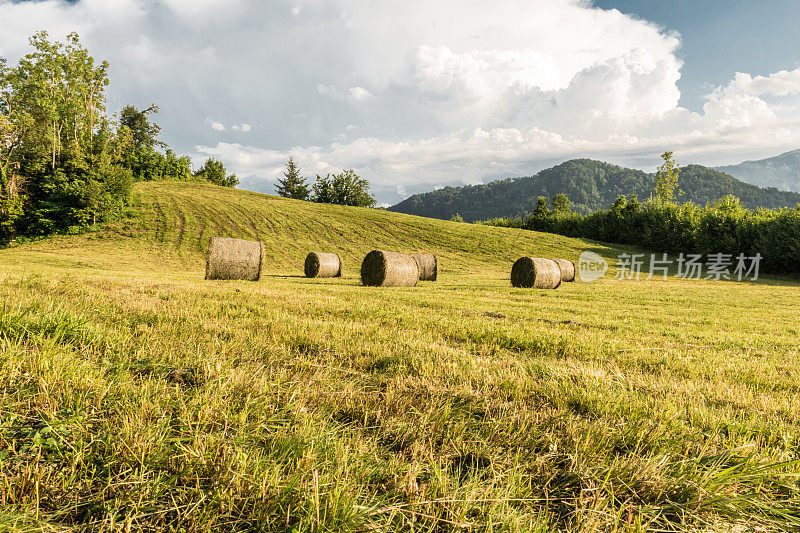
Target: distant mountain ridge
[(781, 171), (590, 185)]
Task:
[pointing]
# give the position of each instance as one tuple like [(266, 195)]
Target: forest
[(590, 185)]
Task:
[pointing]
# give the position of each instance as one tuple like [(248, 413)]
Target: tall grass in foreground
[(135, 396), (167, 411)]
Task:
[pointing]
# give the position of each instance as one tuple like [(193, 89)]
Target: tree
[(143, 132), (293, 185), (540, 211), (214, 171), (345, 188), (14, 122), (58, 170), (137, 146), (560, 203), (667, 180)]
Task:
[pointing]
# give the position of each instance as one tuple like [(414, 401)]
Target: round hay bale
[(234, 259), (323, 265), (389, 269), (536, 272), (567, 269), (428, 266)]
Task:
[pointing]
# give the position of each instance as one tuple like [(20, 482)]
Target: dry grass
[(135, 396)]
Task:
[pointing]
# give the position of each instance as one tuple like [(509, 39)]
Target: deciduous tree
[(345, 188), (214, 171), (667, 179), (560, 203)]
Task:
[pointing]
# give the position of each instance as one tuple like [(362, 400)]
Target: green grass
[(134, 395)]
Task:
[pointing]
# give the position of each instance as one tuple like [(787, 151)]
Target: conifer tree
[(293, 185)]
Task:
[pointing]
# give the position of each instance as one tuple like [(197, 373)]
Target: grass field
[(135, 396)]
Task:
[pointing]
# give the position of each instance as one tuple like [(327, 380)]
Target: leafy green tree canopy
[(63, 166), (560, 203), (214, 171), (541, 207), (143, 132), (667, 179), (345, 188)]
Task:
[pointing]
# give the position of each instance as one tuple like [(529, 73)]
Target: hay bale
[(234, 259), (389, 269), (536, 272), (567, 269), (428, 266), (323, 265)]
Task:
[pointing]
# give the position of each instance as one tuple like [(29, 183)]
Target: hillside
[(590, 185), (136, 396), (172, 222), (782, 171)]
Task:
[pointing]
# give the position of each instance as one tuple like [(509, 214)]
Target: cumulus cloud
[(217, 126), (360, 94), (413, 94), (781, 83)]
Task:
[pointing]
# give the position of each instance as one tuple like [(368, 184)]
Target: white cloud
[(781, 83), (360, 94), (413, 94), (327, 90), (217, 126)]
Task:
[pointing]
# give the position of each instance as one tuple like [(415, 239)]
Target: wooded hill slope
[(590, 185)]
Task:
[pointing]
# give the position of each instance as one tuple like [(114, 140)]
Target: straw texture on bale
[(567, 269), (389, 269), (536, 272), (323, 265), (428, 266), (234, 259)]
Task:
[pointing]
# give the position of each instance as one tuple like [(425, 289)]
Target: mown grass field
[(135, 396)]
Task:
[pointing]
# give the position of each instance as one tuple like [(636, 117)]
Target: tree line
[(344, 188), (64, 164), (661, 224)]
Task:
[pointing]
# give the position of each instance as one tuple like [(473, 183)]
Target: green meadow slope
[(136, 396), (171, 223)]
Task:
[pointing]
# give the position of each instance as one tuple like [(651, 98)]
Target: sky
[(415, 95)]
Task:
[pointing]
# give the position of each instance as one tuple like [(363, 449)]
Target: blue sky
[(416, 94), (721, 37)]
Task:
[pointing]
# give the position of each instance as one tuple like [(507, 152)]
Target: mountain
[(590, 185), (782, 171)]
